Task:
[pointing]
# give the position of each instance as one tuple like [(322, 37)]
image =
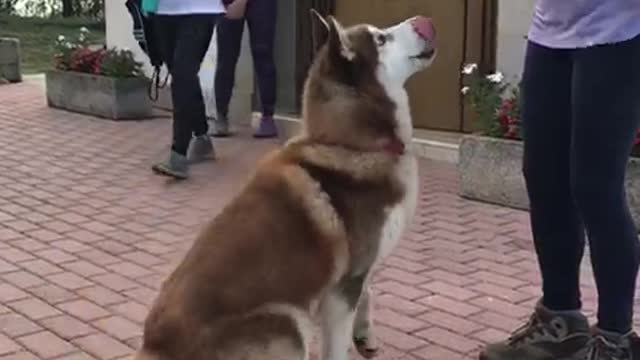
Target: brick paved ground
[(87, 233)]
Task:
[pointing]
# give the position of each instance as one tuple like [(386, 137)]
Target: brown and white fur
[(297, 245)]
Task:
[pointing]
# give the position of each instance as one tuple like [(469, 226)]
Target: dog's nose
[(424, 27)]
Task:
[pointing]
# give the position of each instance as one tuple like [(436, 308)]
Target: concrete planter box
[(10, 60), (111, 98), (490, 170)]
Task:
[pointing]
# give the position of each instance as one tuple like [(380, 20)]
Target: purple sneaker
[(266, 128)]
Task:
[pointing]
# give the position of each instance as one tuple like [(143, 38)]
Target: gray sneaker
[(176, 166), (221, 126), (201, 149), (547, 336), (611, 346)]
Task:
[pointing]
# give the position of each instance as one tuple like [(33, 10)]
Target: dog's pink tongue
[(424, 27)]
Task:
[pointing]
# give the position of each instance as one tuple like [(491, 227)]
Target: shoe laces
[(603, 348), (532, 330)]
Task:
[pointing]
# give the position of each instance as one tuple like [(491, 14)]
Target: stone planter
[(490, 170), (10, 60), (111, 98)]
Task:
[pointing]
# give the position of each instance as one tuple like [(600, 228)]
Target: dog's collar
[(395, 146)]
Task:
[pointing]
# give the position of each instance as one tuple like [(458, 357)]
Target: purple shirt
[(568, 24)]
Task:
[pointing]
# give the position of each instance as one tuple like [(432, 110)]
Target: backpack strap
[(156, 84)]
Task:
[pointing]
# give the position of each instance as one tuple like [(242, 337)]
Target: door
[(434, 94), (304, 48)]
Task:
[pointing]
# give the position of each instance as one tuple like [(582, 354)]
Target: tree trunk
[(67, 8)]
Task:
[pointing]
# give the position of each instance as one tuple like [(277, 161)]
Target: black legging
[(581, 110), (260, 16), (183, 41)]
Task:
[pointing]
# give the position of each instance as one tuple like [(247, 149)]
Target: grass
[(37, 36)]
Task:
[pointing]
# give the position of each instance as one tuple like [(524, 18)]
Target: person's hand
[(236, 9)]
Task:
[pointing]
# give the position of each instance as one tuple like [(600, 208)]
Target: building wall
[(119, 34), (514, 17), (285, 56)]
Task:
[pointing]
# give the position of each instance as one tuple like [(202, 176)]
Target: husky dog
[(296, 247)]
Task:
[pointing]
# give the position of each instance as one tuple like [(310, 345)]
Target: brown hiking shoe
[(610, 346), (547, 336)]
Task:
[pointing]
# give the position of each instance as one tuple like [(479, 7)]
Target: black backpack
[(144, 33)]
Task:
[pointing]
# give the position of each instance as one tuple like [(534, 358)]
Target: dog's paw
[(367, 346)]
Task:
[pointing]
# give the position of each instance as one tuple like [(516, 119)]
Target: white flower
[(61, 38), (68, 45), (84, 30), (82, 38), (465, 90), (496, 78), (469, 69)]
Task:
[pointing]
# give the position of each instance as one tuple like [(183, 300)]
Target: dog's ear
[(339, 45), (319, 30)]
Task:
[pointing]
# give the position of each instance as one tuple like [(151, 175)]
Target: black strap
[(156, 84)]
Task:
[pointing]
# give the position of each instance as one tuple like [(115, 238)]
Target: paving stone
[(46, 344), (88, 234)]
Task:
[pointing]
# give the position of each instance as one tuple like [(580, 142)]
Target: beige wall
[(514, 17), (119, 34)]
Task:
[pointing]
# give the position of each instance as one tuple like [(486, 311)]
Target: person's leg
[(261, 19), (557, 329), (193, 36), (557, 229), (166, 33), (201, 146), (606, 99), (229, 40)]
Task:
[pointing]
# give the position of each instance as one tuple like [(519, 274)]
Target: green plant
[(67, 8), (66, 49), (85, 60), (120, 63), (8, 6), (495, 103), (78, 55)]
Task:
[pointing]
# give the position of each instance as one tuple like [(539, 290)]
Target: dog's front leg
[(338, 314), (363, 336), (337, 325)]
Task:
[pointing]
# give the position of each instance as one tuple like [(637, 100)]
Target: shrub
[(120, 63), (496, 105), (79, 56)]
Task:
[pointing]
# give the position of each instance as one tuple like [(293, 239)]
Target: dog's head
[(355, 85)]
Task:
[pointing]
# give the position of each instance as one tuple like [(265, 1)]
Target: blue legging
[(261, 20), (581, 110)]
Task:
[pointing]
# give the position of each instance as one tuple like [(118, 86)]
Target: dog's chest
[(398, 216)]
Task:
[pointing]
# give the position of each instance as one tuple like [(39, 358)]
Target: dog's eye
[(381, 39)]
